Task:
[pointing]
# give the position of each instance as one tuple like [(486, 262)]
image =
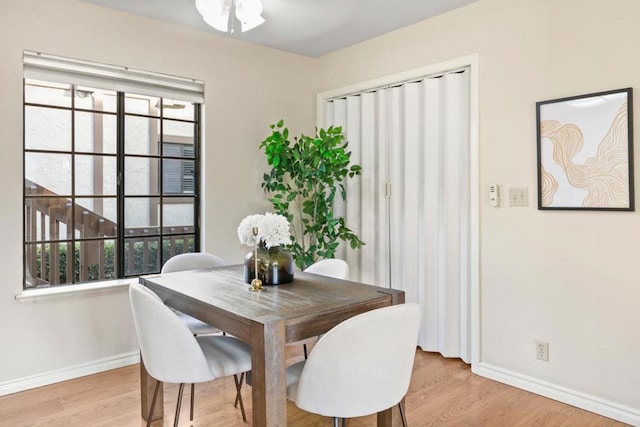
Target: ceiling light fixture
[(216, 13)]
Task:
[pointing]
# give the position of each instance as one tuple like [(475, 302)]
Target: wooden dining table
[(266, 320)]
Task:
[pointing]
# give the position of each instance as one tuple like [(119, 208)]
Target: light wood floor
[(443, 392)]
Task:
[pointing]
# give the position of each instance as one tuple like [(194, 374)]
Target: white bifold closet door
[(411, 204)]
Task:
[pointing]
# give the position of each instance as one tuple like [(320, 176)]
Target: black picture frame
[(585, 152)]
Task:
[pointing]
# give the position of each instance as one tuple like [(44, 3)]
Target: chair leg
[(402, 414), (304, 348), (180, 391), (239, 395), (153, 402), (344, 422), (335, 422), (193, 398)]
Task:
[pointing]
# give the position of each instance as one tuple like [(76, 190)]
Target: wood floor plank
[(443, 392)]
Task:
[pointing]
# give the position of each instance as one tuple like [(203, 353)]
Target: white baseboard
[(590, 403), (52, 377)]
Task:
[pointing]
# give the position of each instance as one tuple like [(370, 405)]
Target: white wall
[(569, 278), (247, 88)]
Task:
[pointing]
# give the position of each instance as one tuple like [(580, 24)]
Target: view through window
[(111, 182)]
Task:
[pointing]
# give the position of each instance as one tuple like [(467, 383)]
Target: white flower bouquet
[(272, 230)]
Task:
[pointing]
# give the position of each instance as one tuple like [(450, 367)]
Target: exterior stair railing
[(49, 246)]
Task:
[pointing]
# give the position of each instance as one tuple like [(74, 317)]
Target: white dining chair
[(171, 353), (333, 267), (360, 367), (197, 261), (193, 261), (330, 267)]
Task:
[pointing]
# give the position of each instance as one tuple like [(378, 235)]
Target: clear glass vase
[(275, 266)]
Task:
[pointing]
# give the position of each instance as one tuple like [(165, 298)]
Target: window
[(111, 177)]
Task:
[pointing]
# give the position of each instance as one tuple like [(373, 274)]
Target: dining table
[(307, 307)]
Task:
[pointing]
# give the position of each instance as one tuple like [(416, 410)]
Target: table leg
[(147, 386), (268, 388), (390, 417)]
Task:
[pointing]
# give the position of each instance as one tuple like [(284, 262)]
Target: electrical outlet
[(542, 350)]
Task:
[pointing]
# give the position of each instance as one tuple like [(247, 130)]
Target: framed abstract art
[(585, 152)]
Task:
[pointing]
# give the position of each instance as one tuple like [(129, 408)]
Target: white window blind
[(42, 66)]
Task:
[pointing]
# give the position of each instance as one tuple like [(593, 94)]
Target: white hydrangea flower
[(273, 230), (245, 229)]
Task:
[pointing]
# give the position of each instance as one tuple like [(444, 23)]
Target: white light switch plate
[(518, 197)]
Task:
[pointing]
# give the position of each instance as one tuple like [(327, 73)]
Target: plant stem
[(301, 225)]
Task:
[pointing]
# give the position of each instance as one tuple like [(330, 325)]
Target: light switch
[(518, 197)]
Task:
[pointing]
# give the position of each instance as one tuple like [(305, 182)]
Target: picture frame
[(585, 152)]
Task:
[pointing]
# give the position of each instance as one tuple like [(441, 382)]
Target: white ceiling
[(307, 27)]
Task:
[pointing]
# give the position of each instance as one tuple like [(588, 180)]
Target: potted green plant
[(304, 180)]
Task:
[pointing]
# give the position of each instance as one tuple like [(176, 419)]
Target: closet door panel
[(396, 177), (357, 145), (340, 119), (433, 207)]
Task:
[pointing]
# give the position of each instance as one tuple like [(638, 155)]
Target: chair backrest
[(192, 261), (335, 268), (169, 350), (363, 365)]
